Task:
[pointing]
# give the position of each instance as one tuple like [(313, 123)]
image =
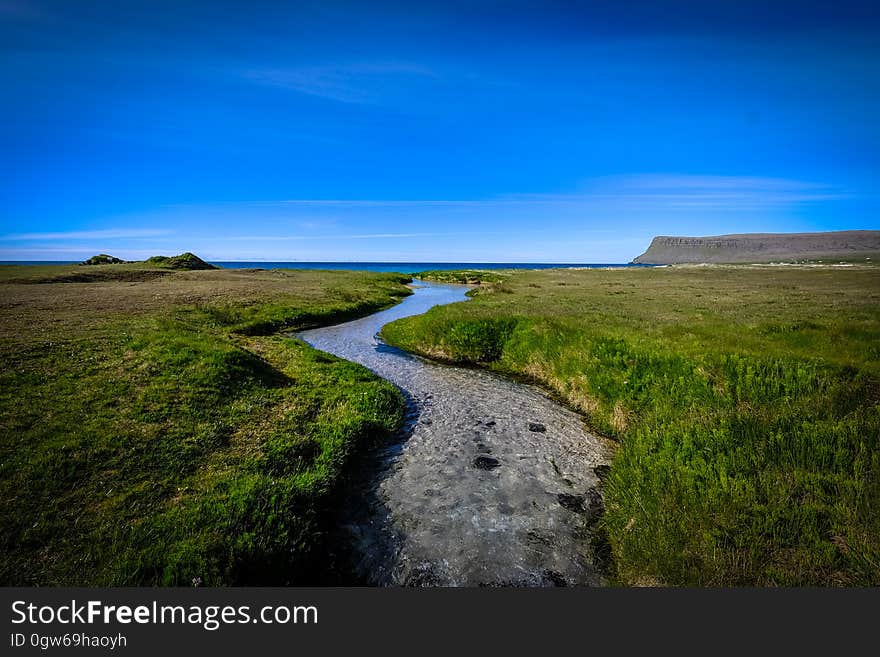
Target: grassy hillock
[(746, 403), (188, 261), (156, 430), (103, 267), (103, 259)]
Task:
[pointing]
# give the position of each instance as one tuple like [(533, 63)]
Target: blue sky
[(514, 131)]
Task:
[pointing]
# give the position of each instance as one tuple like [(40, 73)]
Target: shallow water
[(489, 482)]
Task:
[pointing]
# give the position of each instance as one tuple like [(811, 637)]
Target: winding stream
[(490, 482)]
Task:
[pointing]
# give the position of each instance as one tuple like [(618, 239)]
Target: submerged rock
[(595, 503), (555, 578), (576, 503), (590, 504), (425, 574), (484, 462), (602, 471)]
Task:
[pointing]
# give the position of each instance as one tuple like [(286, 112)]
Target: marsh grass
[(744, 400), (158, 429), (465, 276)]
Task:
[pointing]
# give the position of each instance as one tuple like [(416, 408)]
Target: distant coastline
[(406, 267), (851, 245)]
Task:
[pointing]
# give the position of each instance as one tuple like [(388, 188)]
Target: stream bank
[(489, 482)]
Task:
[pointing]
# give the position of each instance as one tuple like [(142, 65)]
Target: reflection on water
[(490, 482)]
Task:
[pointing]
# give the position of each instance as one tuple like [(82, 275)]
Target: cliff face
[(762, 247)]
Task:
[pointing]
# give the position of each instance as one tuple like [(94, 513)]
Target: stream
[(488, 483)]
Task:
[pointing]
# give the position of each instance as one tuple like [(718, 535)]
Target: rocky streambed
[(489, 483)]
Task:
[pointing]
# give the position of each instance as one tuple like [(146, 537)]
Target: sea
[(404, 267)]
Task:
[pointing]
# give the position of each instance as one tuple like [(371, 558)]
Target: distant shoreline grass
[(745, 400), (156, 429)]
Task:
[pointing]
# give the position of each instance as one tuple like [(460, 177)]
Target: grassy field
[(156, 428), (745, 401)]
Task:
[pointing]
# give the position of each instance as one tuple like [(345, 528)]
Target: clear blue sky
[(459, 131)]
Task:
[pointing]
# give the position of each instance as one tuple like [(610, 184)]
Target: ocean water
[(403, 267), (411, 267)]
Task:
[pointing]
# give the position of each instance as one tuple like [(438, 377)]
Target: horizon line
[(375, 262)]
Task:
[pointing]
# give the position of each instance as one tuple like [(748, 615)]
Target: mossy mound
[(146, 441), (103, 259), (187, 260)]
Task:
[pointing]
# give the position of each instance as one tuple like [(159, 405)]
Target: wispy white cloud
[(641, 189), (72, 252), (355, 236), (713, 190), (586, 223), (348, 83), (380, 203), (116, 233)]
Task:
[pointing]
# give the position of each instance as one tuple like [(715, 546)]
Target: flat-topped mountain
[(763, 247)]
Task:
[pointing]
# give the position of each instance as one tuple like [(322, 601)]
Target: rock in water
[(602, 471), (576, 503), (590, 504), (484, 462), (595, 503), (554, 578)]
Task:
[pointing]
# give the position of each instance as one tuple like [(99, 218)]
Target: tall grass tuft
[(746, 456)]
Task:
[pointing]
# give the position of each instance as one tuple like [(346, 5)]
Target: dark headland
[(763, 247)]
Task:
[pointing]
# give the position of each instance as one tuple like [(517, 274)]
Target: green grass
[(186, 260), (465, 276), (103, 259), (745, 401), (155, 430)]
